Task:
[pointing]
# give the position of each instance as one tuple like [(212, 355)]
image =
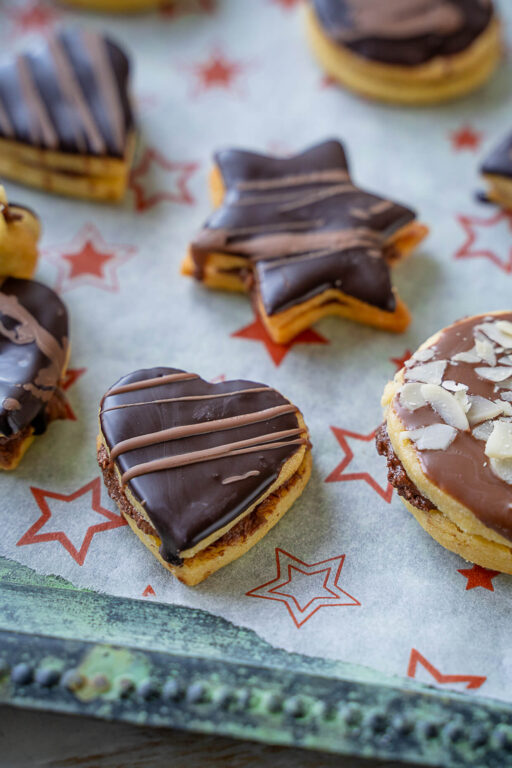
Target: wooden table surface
[(41, 740)]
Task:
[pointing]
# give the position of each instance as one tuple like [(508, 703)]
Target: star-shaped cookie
[(304, 240)]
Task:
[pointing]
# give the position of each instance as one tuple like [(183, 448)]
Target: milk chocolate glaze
[(404, 32), (33, 352), (196, 455), (303, 226), (463, 470), (70, 95)]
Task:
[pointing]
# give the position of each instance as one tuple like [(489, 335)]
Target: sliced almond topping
[(500, 373), (470, 356), (506, 360), (507, 384), (427, 373), (506, 396), (506, 407), (505, 326), (422, 355), (411, 397), (446, 405), (482, 409), (502, 468), (454, 386), (485, 351), (499, 443), (483, 431), (435, 437), (494, 332)]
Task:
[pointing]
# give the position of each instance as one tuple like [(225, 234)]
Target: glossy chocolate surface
[(303, 226), (33, 350), (463, 470), (69, 95), (404, 32), (188, 502), (499, 160)]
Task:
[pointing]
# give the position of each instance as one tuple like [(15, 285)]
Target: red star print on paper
[(399, 362), (287, 4), (149, 591), (33, 16), (217, 72), (304, 588), (256, 331), (479, 577), (71, 377), (338, 475), (33, 535), (475, 229), (174, 178), (472, 681), (466, 138), (176, 8), (88, 260)]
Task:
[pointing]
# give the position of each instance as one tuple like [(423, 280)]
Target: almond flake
[(427, 373), (502, 468), (411, 397), (422, 355), (499, 443), (494, 332), (485, 351), (454, 386), (505, 326), (506, 360), (483, 431), (506, 408), (482, 410), (470, 356), (500, 373), (446, 405), (506, 396), (435, 437)]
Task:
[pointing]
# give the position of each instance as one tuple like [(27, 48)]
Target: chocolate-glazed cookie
[(412, 51), (304, 239), (66, 121), (201, 471), (448, 438), (34, 350)]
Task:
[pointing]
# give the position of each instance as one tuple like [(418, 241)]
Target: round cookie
[(406, 51), (447, 438)]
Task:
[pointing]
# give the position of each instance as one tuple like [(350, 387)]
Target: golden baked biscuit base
[(439, 80), (114, 6), (73, 175), (456, 528), (19, 235), (499, 189), (228, 543)]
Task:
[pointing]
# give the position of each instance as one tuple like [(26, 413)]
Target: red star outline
[(149, 591), (473, 681), (399, 362), (216, 72), (256, 331), (32, 536), (338, 474), (145, 200), (300, 615), (174, 9), (33, 16), (477, 576), (287, 5), (88, 260), (466, 138), (469, 225), (71, 377)]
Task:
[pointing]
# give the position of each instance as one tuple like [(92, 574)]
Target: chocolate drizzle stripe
[(147, 383), (219, 452), (5, 123), (72, 90), (40, 124), (295, 179), (205, 427), (316, 196), (238, 478), (401, 18), (186, 398), (107, 85)]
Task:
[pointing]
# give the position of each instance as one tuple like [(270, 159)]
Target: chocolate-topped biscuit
[(304, 239), (497, 172), (415, 51), (34, 350), (201, 471), (66, 120), (448, 438)]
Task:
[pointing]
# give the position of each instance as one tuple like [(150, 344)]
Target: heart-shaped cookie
[(66, 122), (201, 471), (33, 358)]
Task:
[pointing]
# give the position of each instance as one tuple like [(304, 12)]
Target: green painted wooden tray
[(75, 651)]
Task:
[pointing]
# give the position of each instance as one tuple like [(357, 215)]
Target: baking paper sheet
[(348, 574)]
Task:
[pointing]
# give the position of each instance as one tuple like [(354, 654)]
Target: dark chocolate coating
[(413, 42), (304, 205), (80, 66), (187, 504), (20, 364), (463, 470), (499, 161)]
